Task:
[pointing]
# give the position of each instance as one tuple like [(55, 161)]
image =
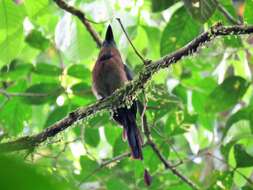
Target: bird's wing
[(129, 73)]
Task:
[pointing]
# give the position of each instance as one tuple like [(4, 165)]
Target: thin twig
[(135, 50), (79, 14), (151, 143), (233, 168), (108, 162), (229, 17), (22, 94), (104, 164)]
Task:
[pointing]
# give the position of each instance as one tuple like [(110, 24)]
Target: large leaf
[(79, 71), (247, 187), (14, 113), (116, 184), (120, 146), (36, 39), (71, 38), (179, 31), (81, 89), (111, 133), (242, 114), (15, 70), (248, 15), (11, 15), (15, 174), (47, 69), (225, 178), (42, 93), (160, 5), (99, 119), (88, 165), (11, 30), (11, 46), (154, 35), (233, 41), (243, 159), (201, 10), (181, 92), (34, 8), (57, 114), (227, 94), (91, 136)]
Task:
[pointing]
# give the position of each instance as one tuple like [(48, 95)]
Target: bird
[(109, 74)]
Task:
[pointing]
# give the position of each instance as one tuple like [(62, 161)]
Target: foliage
[(200, 109)]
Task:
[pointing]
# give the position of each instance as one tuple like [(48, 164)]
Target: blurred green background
[(200, 109)]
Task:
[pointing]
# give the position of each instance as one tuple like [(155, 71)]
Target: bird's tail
[(133, 137), (127, 119)]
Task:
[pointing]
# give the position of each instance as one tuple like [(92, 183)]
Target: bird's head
[(109, 39)]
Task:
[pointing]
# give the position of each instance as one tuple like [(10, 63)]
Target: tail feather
[(133, 138), (126, 117)]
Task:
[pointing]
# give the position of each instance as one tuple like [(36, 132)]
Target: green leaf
[(88, 165), (150, 160), (154, 35), (56, 115), (243, 159), (201, 10), (233, 41), (91, 136), (179, 31), (116, 184), (112, 132), (15, 174), (14, 113), (138, 169), (11, 30), (82, 89), (11, 15), (242, 114), (227, 94), (225, 179), (99, 119), (36, 39), (15, 70), (34, 8), (11, 46), (180, 92), (47, 69), (225, 149), (42, 93), (247, 187), (248, 14), (79, 71), (120, 146), (75, 42), (160, 5)]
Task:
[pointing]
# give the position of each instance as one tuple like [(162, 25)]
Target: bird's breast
[(108, 76)]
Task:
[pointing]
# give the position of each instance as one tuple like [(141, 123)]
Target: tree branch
[(81, 16), (22, 94), (127, 92), (151, 143)]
